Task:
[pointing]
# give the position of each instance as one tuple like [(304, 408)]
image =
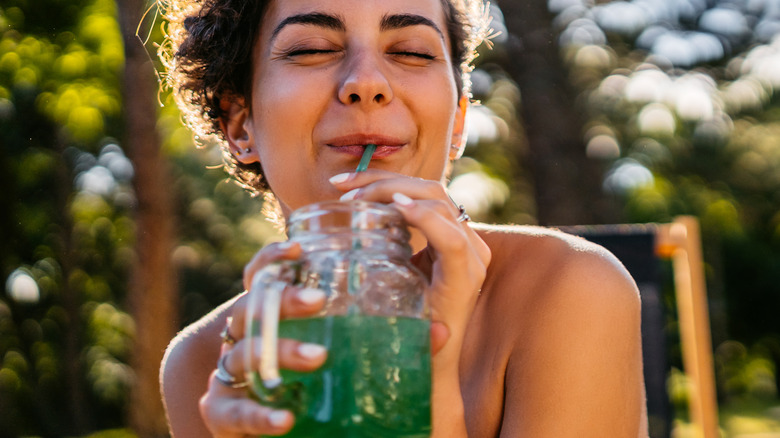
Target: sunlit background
[(588, 112)]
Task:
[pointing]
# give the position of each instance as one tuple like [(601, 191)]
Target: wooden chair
[(641, 247)]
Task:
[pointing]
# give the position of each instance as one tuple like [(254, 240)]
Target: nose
[(364, 83)]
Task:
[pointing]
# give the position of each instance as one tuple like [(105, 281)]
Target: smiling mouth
[(355, 145), (358, 149)]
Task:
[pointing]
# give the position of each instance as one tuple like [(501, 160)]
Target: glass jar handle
[(262, 334), (269, 334)]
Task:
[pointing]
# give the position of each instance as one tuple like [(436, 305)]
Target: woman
[(535, 333)]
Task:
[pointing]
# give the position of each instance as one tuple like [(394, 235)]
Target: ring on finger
[(463, 216), (227, 379), (227, 338)]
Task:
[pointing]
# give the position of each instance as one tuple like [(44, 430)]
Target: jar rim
[(356, 215), (324, 207)]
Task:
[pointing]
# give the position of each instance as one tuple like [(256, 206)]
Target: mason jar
[(376, 381)]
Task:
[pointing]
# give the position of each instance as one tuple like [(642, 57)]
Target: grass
[(741, 419)]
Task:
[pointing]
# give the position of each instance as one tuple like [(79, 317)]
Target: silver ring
[(226, 378), (227, 338), (463, 216)]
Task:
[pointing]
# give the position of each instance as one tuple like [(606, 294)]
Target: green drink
[(375, 382)]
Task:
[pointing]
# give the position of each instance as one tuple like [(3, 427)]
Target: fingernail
[(402, 200), (311, 351), (340, 178), (310, 295), (277, 418), (350, 195)]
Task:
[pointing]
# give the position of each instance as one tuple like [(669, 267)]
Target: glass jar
[(375, 325)]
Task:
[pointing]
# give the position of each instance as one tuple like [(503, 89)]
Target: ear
[(459, 134), (236, 125)]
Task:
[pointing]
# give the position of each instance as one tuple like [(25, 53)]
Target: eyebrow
[(389, 22), (398, 21), (312, 19)]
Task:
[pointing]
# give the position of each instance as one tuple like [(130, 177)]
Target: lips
[(355, 144)]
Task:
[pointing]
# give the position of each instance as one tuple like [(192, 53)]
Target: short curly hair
[(207, 54)]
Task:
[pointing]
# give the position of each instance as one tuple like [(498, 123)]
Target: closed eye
[(304, 52), (420, 55)]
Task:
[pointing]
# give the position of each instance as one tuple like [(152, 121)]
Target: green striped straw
[(354, 278), (366, 158)]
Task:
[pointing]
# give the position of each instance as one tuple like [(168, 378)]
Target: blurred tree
[(567, 185), (680, 101), (153, 289), (61, 353)]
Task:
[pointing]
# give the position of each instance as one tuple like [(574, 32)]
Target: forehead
[(353, 12)]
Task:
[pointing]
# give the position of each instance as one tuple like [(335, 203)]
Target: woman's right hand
[(225, 408)]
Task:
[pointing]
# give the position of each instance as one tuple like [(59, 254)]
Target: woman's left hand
[(456, 258)]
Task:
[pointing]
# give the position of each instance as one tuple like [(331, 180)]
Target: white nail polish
[(277, 418), (403, 200), (350, 195), (310, 295), (311, 351), (340, 178)]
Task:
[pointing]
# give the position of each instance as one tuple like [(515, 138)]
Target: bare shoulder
[(196, 343), (562, 315), (189, 360), (556, 265)]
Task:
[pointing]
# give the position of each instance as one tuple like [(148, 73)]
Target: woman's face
[(334, 75)]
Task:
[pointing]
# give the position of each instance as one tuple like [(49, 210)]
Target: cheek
[(275, 101), (438, 104), (284, 115)]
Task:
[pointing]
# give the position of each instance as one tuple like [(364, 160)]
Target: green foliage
[(708, 139), (699, 139), (746, 373), (73, 77), (66, 233)]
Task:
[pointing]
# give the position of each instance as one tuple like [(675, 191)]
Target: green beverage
[(375, 382)]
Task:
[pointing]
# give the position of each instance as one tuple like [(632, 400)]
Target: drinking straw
[(366, 158), (354, 276)]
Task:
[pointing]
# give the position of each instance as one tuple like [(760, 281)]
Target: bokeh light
[(480, 125), (656, 119), (626, 175), (22, 287), (478, 192)]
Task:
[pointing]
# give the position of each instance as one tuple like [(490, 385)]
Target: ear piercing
[(457, 150), (240, 152)]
